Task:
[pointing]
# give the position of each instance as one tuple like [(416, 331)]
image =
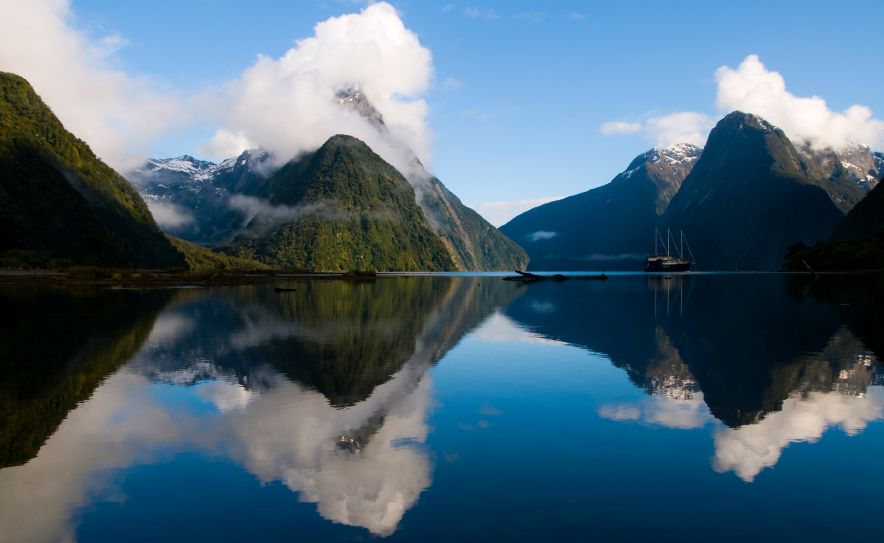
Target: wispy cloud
[(530, 16), (620, 127), (476, 13), (665, 130), (451, 84), (76, 74)]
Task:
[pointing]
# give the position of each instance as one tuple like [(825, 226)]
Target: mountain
[(749, 197), (60, 204), (608, 226), (857, 244), (866, 220), (472, 242), (194, 199), (846, 175), (341, 207), (202, 202)]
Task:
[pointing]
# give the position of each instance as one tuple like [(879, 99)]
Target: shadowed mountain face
[(47, 370), (60, 204), (610, 226), (744, 355), (866, 220), (749, 198)]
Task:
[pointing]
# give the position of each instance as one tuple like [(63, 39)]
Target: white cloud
[(118, 114), (620, 127), (749, 449), (498, 328), (226, 144), (666, 130), (287, 105), (661, 410), (169, 215), (752, 88), (681, 127), (500, 212), (541, 235)]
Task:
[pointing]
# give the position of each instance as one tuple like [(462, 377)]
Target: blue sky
[(521, 88)]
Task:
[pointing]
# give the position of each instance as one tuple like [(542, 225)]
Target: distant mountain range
[(742, 201), (216, 204), (192, 197)]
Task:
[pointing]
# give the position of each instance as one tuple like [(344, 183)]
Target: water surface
[(455, 408)]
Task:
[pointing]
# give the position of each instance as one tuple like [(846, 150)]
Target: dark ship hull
[(667, 264)]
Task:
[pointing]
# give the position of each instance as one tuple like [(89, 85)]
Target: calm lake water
[(708, 407)]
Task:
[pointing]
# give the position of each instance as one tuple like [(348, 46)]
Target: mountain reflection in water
[(776, 359), (327, 390)]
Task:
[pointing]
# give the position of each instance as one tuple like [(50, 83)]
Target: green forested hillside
[(341, 208), (60, 204)]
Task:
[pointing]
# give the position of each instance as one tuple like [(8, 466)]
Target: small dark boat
[(669, 263)]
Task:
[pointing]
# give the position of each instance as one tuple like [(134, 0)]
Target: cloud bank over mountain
[(287, 104), (116, 113), (752, 88)]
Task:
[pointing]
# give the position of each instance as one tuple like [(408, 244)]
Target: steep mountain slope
[(60, 204), (866, 220), (857, 244), (610, 226), (472, 242), (194, 199), (749, 197), (341, 208)]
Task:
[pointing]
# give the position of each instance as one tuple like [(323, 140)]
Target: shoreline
[(115, 278)]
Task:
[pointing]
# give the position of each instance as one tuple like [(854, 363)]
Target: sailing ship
[(668, 263)]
